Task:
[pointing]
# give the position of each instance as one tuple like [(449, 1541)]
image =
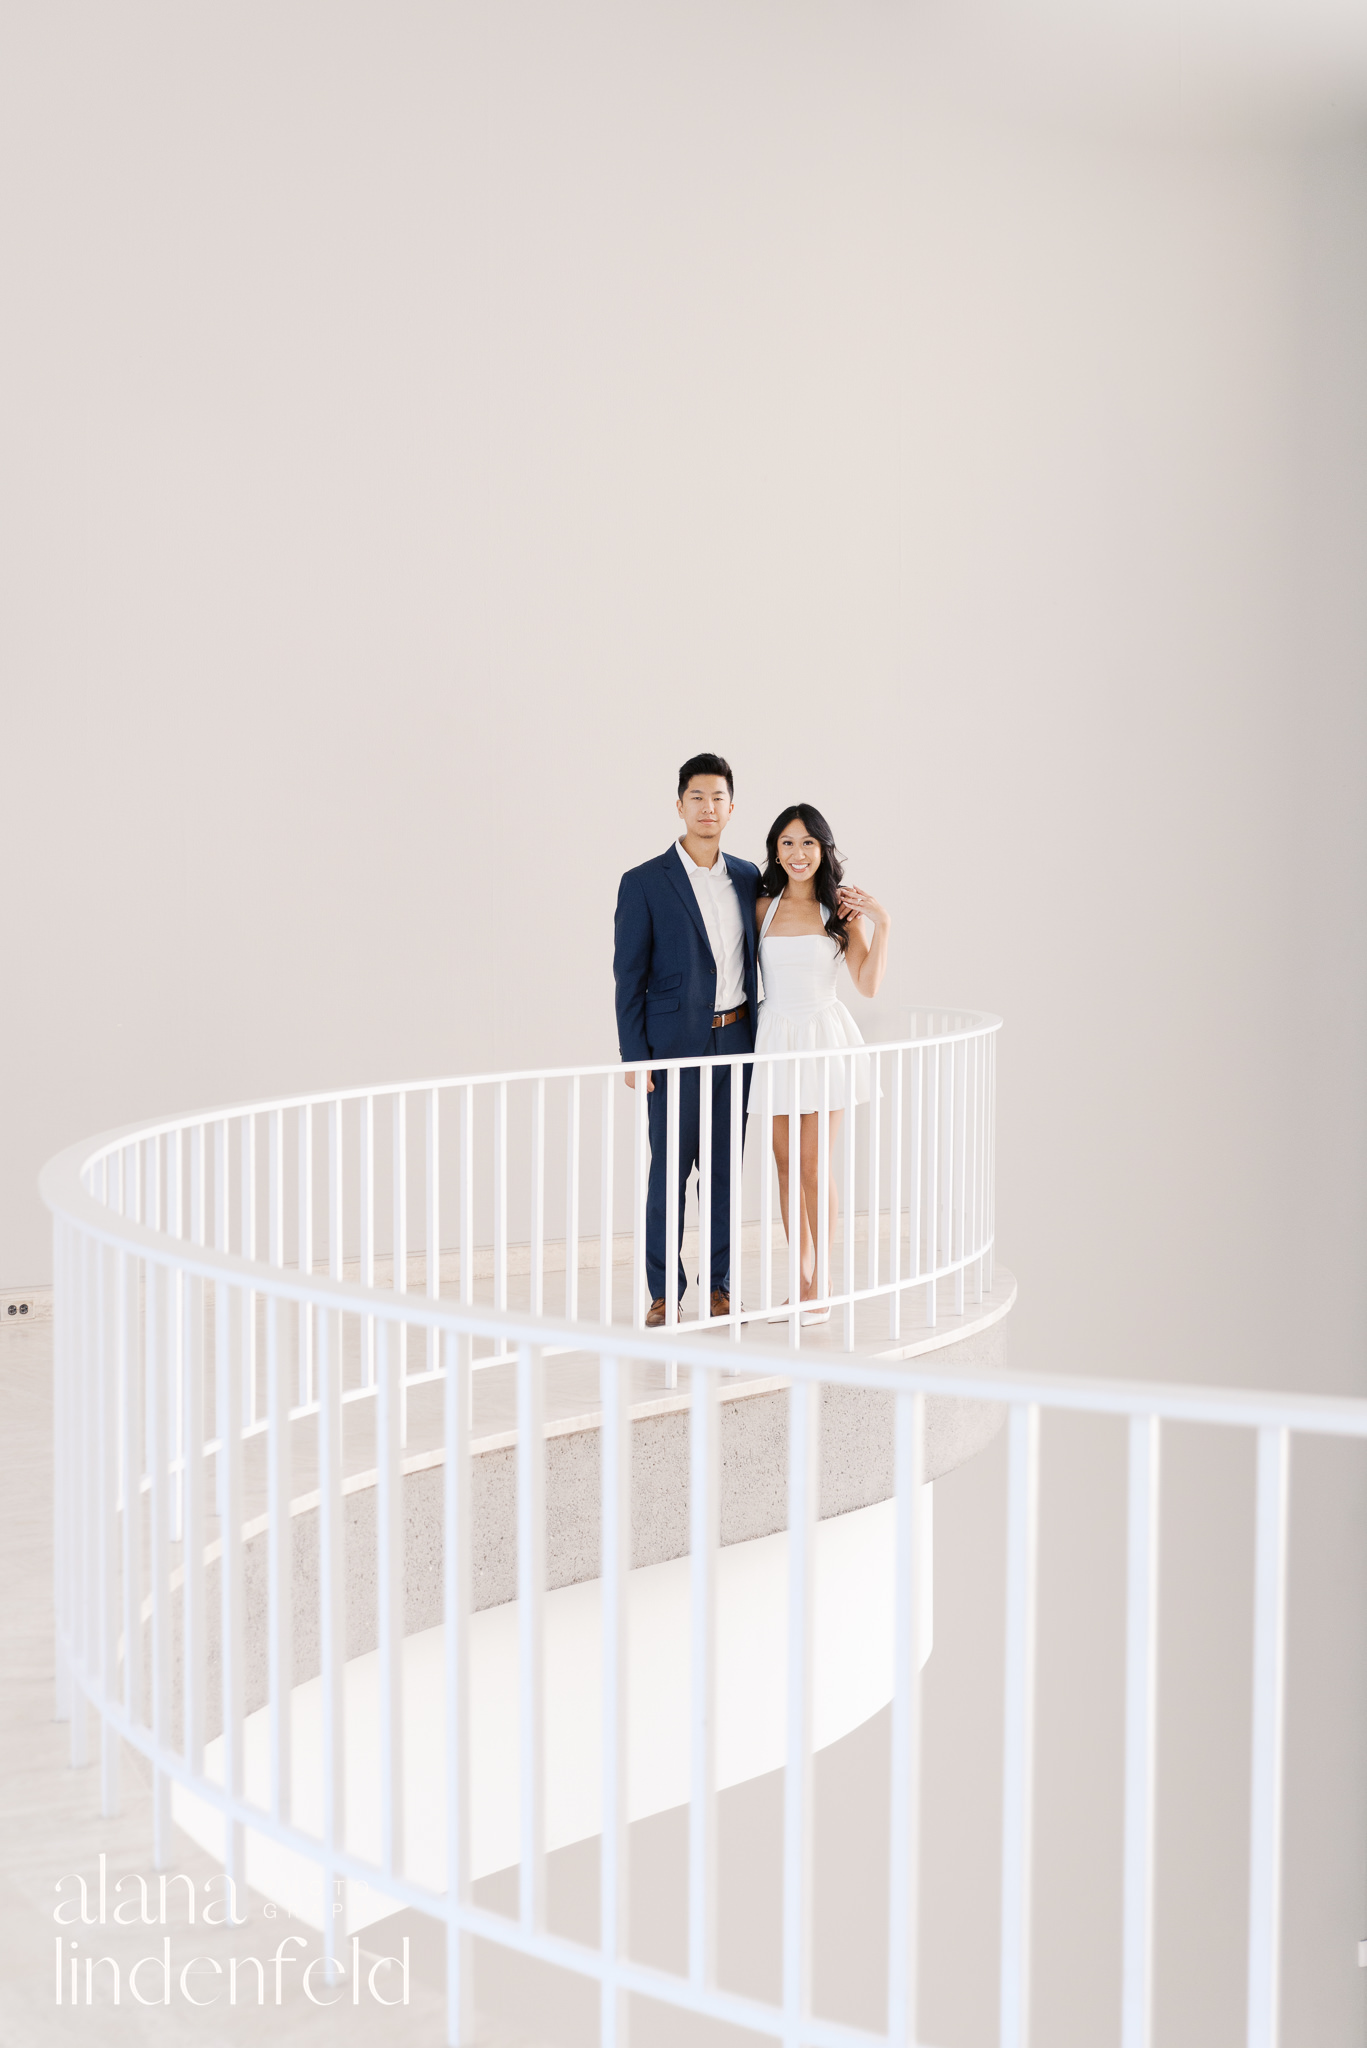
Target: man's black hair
[(706, 764)]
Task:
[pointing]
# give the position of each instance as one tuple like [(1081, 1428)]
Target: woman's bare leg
[(811, 1194), (807, 1168), (781, 1162)]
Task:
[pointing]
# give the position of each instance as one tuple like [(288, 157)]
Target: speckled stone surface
[(856, 1470)]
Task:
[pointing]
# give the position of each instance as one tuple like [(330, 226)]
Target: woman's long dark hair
[(828, 876)]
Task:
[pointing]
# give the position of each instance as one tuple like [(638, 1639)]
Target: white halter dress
[(802, 1013)]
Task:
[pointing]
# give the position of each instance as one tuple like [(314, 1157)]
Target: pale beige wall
[(423, 426)]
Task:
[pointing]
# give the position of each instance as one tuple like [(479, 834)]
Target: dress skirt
[(807, 1031)]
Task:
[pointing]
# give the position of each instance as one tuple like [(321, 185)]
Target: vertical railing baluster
[(248, 1198), (961, 1172), (904, 1804), (933, 1188), (83, 1262), (851, 1122), (914, 1176), (193, 1611), (615, 1563), (673, 1086), (76, 1444), (979, 1159), (704, 1537), (332, 1617), (175, 1335), (279, 1472), (736, 1216), (232, 1585), (66, 1410), (606, 1217), (1141, 1718), (823, 1181), (336, 1269), (640, 1189), (1269, 1715), (456, 1604), (432, 1226), (159, 1560), (501, 1195), (946, 1227), (572, 1203), (538, 1197), (280, 1547), (275, 1222), (107, 1553), (64, 1687), (399, 1335), (1022, 1524), (804, 1408), (706, 1076), (467, 1195), (531, 1588), (306, 1325), (895, 1204), (795, 1205), (992, 1161), (365, 1174), (467, 1229), (221, 1332), (130, 1392), (766, 1187), (390, 1601), (875, 1170), (336, 1212)]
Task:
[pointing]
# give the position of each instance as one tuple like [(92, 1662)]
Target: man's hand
[(650, 1084)]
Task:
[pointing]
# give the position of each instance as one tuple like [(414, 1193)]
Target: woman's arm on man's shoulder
[(866, 957)]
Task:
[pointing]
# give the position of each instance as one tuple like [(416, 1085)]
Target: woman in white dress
[(810, 920)]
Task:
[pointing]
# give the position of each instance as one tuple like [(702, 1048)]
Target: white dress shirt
[(721, 913)]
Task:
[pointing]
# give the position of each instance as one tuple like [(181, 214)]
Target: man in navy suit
[(684, 963)]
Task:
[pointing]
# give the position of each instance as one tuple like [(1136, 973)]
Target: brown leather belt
[(721, 1018)]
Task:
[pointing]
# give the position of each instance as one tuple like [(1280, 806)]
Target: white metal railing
[(182, 1334)]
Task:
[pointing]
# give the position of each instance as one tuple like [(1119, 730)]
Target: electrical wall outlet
[(24, 1305)]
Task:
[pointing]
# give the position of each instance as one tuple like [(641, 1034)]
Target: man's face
[(705, 806)]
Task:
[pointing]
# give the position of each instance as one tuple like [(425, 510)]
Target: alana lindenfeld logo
[(170, 1973)]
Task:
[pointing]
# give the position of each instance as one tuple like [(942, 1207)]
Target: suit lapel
[(747, 918), (674, 868)]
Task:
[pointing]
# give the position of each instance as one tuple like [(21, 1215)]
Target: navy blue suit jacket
[(662, 959)]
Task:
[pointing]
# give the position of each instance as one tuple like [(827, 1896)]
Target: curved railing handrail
[(1075, 1393), (975, 1024), (950, 1071)]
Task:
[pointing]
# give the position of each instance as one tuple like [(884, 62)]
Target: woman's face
[(799, 853)]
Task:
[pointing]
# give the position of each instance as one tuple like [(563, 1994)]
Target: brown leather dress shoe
[(721, 1302), (655, 1314)]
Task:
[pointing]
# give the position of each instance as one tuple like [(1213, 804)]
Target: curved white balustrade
[(210, 1375), (267, 1301)]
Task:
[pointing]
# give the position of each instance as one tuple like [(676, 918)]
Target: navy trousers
[(730, 1040)]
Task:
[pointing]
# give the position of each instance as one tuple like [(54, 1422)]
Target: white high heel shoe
[(816, 1315)]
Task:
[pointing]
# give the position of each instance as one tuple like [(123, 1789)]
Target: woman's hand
[(859, 903)]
